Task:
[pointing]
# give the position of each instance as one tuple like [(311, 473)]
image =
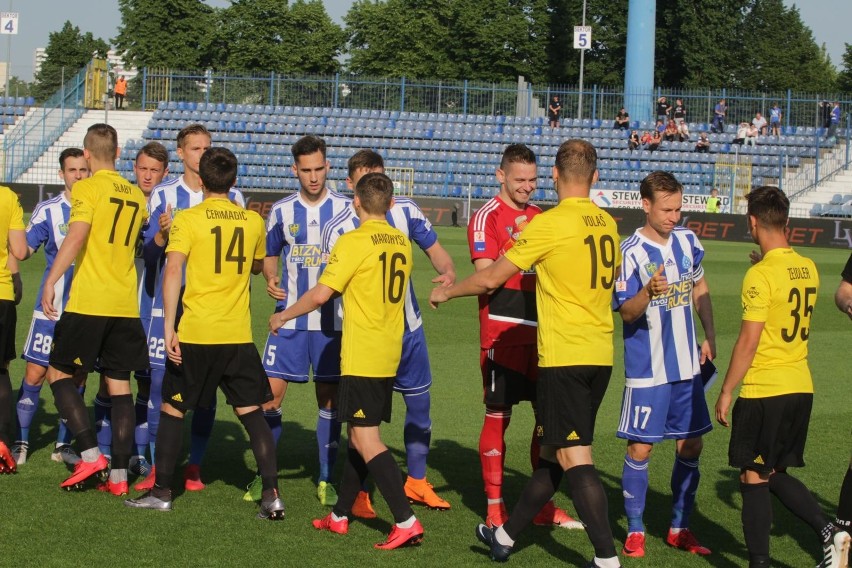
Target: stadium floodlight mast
[(9, 27)]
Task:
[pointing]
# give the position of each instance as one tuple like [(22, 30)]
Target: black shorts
[(509, 374), (235, 367), (364, 401), (8, 321), (770, 433), (117, 345), (568, 402)]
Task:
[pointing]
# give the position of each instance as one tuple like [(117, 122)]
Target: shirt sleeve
[(343, 262), (82, 204), (847, 271), (180, 235), (37, 231), (237, 197), (697, 257), (16, 220), (419, 228), (534, 243), (482, 239), (755, 296), (274, 234), (629, 281), (260, 248)]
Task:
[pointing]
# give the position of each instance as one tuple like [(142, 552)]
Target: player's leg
[(25, 408), (155, 402), (413, 380), (201, 429), (77, 341), (138, 464), (843, 519), (7, 460), (687, 421), (63, 451), (324, 353), (498, 400), (123, 423), (246, 388), (272, 414), (103, 418)]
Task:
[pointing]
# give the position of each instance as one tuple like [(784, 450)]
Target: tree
[(763, 64), (19, 87), (844, 78), (67, 52), (313, 41), (165, 33)]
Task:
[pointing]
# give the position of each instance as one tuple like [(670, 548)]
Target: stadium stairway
[(128, 124), (832, 197)]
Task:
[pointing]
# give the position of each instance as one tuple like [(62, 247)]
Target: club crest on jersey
[(650, 268), (293, 229), (686, 263), (63, 229), (752, 293)]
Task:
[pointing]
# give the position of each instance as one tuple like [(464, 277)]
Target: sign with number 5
[(582, 37), (9, 23)]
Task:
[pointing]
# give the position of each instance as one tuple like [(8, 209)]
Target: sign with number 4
[(9, 23)]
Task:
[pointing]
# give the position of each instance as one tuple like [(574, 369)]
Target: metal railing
[(43, 126)]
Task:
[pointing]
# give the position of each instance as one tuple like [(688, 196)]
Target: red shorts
[(509, 374)]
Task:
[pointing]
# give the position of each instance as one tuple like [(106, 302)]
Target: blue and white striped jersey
[(406, 216), (660, 346), (48, 227), (172, 192), (294, 232)]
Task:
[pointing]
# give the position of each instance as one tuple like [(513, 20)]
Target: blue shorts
[(39, 341), (413, 375), (673, 411), (155, 332), (293, 353)]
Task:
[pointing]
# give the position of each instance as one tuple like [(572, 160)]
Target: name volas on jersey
[(306, 255)]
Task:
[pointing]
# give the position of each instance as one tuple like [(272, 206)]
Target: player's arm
[(172, 281), (741, 359), (480, 282), (307, 302), (634, 308), (270, 273), (443, 264), (78, 234), (17, 284), (843, 297), (704, 308), (18, 243)]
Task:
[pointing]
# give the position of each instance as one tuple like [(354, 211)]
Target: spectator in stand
[(742, 132), (751, 135), (679, 112), (120, 91), (703, 143), (775, 119), (833, 122), (671, 131), (825, 113), (760, 123), (646, 138), (663, 110), (553, 111), (656, 140), (622, 120), (660, 126), (633, 142), (683, 131), (719, 112)]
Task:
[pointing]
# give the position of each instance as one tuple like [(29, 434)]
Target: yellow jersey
[(220, 241), (11, 219), (105, 282), (780, 291), (575, 250), (370, 267)]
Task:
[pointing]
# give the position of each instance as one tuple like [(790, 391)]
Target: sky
[(828, 20)]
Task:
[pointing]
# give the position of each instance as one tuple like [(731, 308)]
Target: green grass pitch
[(43, 526)]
